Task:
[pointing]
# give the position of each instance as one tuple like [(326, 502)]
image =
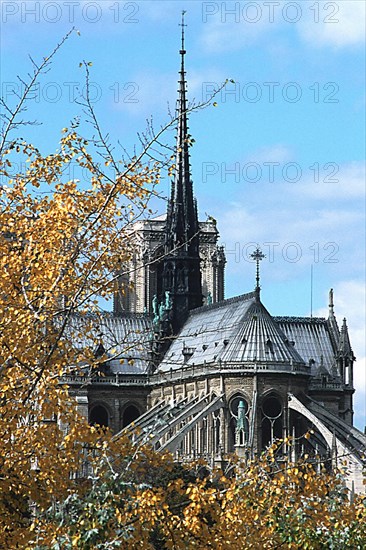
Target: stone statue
[(155, 305), (209, 298), (161, 311), (168, 301)]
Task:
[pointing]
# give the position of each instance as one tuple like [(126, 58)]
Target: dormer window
[(187, 353)]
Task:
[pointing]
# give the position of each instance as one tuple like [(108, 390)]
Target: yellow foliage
[(60, 247)]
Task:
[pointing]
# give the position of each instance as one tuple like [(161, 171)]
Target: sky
[(279, 161)]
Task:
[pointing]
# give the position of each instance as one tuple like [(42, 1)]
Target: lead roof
[(236, 330)]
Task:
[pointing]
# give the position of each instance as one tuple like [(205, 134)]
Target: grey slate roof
[(260, 339), (234, 331), (312, 339), (126, 337), (206, 332), (237, 330)]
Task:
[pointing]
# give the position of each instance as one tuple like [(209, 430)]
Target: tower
[(181, 274), (174, 253)]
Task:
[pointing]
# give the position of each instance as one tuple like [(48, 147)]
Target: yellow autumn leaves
[(61, 246)]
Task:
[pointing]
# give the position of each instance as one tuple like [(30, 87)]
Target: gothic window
[(180, 278), (99, 416), (272, 420), (130, 414), (169, 276)]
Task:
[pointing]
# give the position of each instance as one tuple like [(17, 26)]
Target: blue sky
[(279, 161)]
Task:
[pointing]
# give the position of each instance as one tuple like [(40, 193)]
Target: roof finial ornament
[(257, 256), (331, 303)]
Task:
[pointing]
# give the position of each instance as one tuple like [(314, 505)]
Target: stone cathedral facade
[(206, 376)]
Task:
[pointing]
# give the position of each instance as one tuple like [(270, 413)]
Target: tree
[(144, 500), (61, 245)]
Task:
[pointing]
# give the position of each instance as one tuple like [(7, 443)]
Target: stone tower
[(176, 252)]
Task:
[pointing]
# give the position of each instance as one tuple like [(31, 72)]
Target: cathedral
[(205, 376)]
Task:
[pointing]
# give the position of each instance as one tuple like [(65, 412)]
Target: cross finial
[(257, 256)]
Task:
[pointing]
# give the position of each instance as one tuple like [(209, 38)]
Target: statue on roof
[(168, 301), (161, 311), (155, 305)]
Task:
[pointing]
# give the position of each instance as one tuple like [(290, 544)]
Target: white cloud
[(230, 27), (284, 224), (335, 182), (337, 24), (276, 153), (297, 225), (224, 32), (308, 211)]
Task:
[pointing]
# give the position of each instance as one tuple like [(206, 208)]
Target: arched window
[(99, 416), (169, 276), (272, 420), (129, 415)]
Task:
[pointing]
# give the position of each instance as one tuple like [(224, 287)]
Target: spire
[(344, 345), (258, 256), (182, 222), (181, 274), (332, 321)]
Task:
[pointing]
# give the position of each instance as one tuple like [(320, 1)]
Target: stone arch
[(130, 413), (99, 415)]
